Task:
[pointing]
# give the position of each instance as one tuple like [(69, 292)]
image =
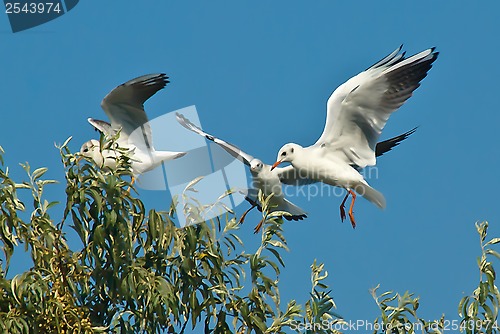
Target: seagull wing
[(124, 106), (387, 145), (229, 148), (291, 176), (101, 126), (358, 110)]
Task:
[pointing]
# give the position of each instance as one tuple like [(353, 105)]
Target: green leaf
[(38, 173), (191, 184), (472, 309), (277, 255), (492, 252), (493, 241), (463, 302)]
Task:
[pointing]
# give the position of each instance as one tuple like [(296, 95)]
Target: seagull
[(124, 106), (357, 111), (270, 181)]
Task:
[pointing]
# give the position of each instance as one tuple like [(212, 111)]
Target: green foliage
[(39, 300), (136, 272), (479, 311), (399, 315)]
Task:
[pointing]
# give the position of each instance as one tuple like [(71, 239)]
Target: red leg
[(259, 226), (245, 214), (342, 210), (131, 184), (351, 213)]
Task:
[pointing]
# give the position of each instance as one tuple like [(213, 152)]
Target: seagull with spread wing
[(357, 112), (124, 106), (270, 181)]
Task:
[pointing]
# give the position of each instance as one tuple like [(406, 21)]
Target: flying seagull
[(357, 111), (124, 106), (270, 181)]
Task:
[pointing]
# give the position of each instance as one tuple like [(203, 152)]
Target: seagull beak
[(276, 164)]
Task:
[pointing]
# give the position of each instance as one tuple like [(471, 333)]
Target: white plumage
[(124, 106), (357, 112), (269, 182)]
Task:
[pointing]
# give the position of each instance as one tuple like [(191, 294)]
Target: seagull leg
[(131, 184), (258, 227), (245, 214), (351, 213), (342, 208)]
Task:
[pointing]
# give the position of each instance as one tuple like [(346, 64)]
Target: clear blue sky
[(259, 74)]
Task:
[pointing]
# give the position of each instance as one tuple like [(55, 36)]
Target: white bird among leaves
[(124, 106), (270, 181), (357, 112)]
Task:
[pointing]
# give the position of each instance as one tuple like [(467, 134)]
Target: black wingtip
[(434, 54), (405, 135), (295, 217), (166, 79), (412, 131), (387, 145)]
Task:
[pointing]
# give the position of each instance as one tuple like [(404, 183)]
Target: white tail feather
[(370, 194), (293, 209)]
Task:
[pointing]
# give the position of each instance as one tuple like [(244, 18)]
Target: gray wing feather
[(124, 105), (101, 126), (229, 148), (358, 110), (291, 176)]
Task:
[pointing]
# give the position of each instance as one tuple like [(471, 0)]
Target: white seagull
[(357, 111), (270, 181), (124, 106)]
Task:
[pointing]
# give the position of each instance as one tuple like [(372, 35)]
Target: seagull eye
[(283, 154), (86, 149)]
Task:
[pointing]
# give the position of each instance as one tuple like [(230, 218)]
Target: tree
[(138, 273)]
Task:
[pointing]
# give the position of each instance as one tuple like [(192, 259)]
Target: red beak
[(275, 164)]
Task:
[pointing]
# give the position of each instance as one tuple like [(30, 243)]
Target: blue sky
[(259, 75)]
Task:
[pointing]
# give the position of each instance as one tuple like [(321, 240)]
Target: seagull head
[(286, 154), (256, 165), (89, 147)]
